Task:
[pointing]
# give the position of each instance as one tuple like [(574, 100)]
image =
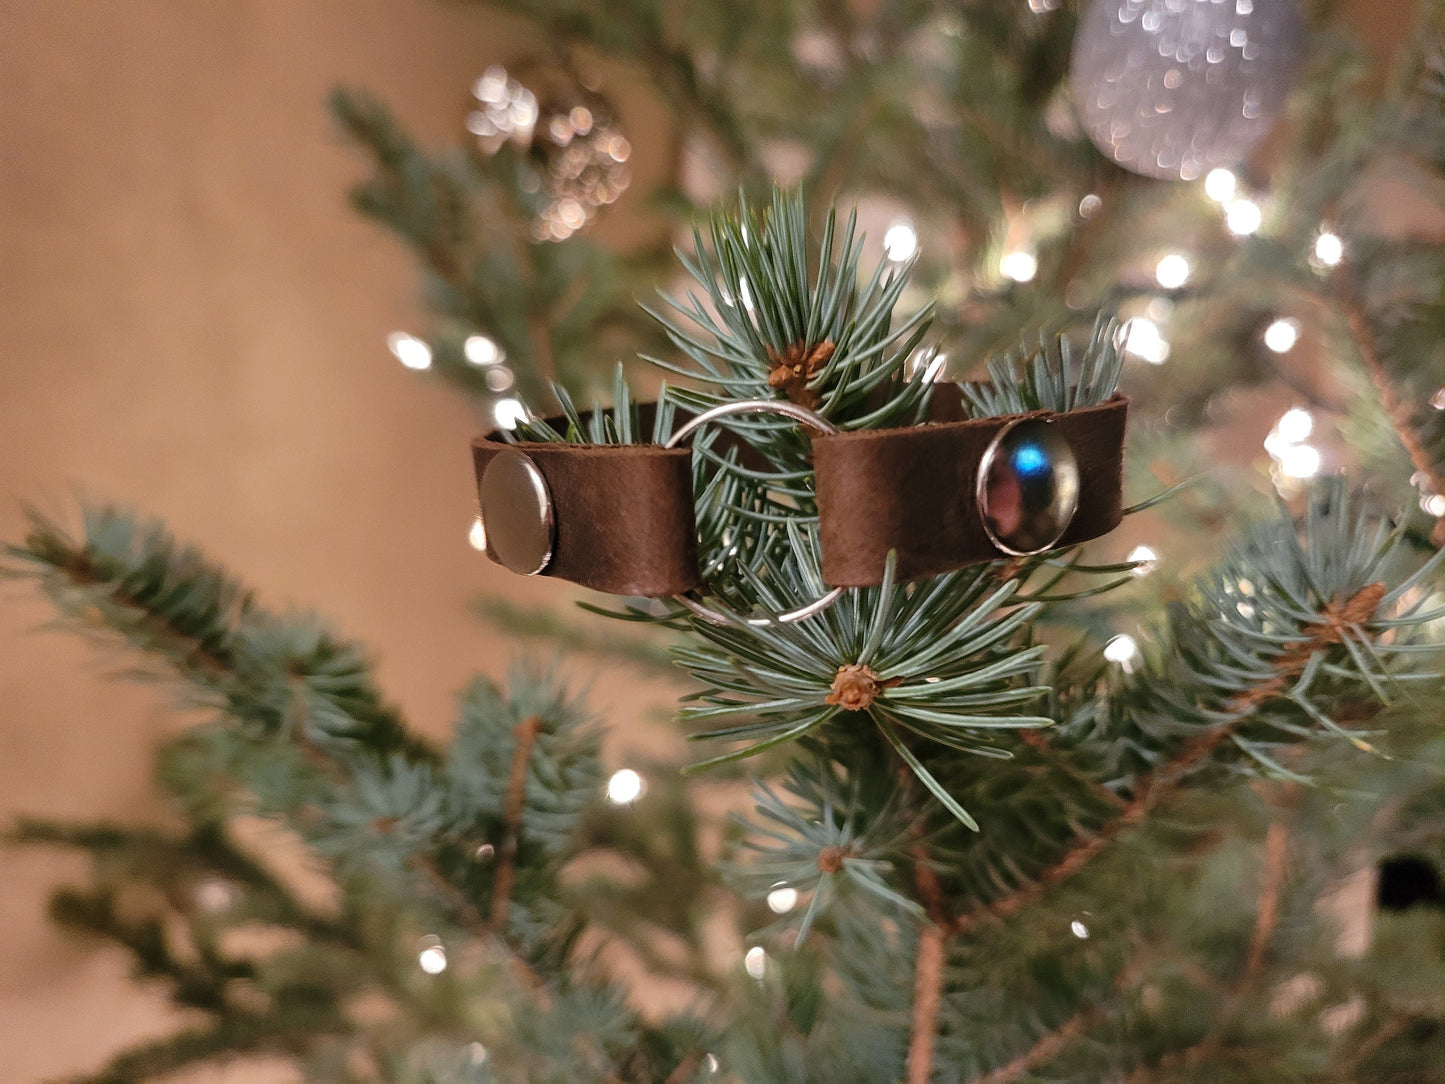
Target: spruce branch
[(1298, 622), (525, 735), (927, 992), (1047, 1047), (1400, 415)]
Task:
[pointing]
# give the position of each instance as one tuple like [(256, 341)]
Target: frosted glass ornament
[(1174, 88)]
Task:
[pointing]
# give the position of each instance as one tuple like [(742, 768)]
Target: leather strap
[(624, 512)]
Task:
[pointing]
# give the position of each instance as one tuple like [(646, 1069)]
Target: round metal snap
[(1028, 487), (517, 513)]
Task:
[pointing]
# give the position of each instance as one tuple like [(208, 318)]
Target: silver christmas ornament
[(1175, 88)]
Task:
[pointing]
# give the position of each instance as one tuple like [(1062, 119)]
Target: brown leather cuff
[(623, 513)]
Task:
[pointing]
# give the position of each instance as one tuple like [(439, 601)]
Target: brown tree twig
[(1157, 784), (686, 1069), (1049, 1044), (927, 996), (1271, 886), (525, 734), (1358, 321), (928, 970)]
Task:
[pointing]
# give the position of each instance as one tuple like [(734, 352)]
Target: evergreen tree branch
[(1271, 886), (1399, 414), (1156, 785), (1048, 1046), (526, 738), (928, 969), (282, 1032), (927, 994)]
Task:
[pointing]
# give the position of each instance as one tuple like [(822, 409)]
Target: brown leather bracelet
[(619, 517)]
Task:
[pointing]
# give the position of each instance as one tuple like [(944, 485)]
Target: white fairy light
[(1172, 271), (1219, 185), (1143, 340), (710, 1062), (1299, 461), (782, 899), (1089, 206), (901, 241), (1438, 399), (625, 787), (1281, 335), (477, 536), (1079, 930), (1295, 425), (500, 378), (476, 1053), (755, 963), (1144, 558), (509, 413), (1122, 650), (214, 895), (1434, 504), (1329, 249), (1019, 265), (409, 350), (1242, 217), (482, 351), (433, 955)]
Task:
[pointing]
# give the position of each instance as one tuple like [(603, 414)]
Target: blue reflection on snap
[(1030, 459)]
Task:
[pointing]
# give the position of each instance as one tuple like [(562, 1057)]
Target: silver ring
[(757, 406)]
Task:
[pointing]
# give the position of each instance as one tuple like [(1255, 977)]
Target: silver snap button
[(517, 513), (1028, 487)]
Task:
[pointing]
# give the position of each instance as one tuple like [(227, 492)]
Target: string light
[(1300, 461), (1285, 444), (1295, 425), (477, 536), (499, 378), (1079, 930), (1089, 206), (482, 351), (409, 350), (1143, 339), (755, 963), (214, 895), (1281, 335), (782, 899), (625, 787), (1219, 185), (901, 241), (1434, 504), (1019, 265), (1438, 399), (1144, 559), (509, 413), (1122, 650), (1329, 249), (711, 1063), (433, 955), (1172, 271), (1242, 217)]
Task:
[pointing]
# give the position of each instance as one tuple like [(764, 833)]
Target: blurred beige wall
[(192, 321)]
